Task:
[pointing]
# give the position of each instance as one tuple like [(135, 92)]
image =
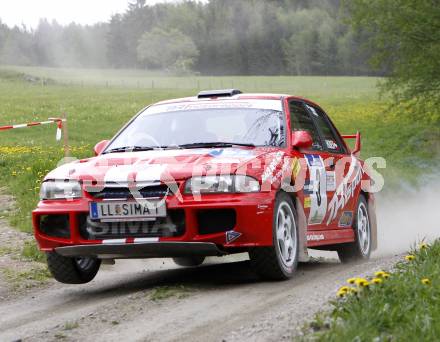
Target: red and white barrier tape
[(57, 121)]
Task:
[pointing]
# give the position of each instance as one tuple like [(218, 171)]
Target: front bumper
[(141, 250), (253, 223)]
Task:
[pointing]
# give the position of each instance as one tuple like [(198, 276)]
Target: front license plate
[(127, 210)]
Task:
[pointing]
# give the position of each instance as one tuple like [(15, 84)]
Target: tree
[(117, 52), (404, 36), (220, 37), (170, 50), (16, 48)]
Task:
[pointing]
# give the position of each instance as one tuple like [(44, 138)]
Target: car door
[(314, 194), (337, 162)]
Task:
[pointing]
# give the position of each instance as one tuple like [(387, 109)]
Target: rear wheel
[(72, 270), (361, 248), (189, 261), (278, 262)]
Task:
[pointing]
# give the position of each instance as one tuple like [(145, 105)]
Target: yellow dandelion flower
[(426, 281), (423, 246), (409, 257), (386, 276), (379, 274), (377, 281), (341, 294), (362, 282), (344, 289), (351, 280)]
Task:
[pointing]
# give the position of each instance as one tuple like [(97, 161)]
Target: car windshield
[(198, 127)]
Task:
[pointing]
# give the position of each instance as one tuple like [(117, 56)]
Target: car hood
[(168, 165)]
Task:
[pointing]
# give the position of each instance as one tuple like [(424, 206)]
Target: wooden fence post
[(65, 136)]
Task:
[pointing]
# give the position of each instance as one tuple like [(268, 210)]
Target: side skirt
[(329, 237)]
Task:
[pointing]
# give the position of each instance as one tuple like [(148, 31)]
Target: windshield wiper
[(129, 149), (141, 148), (214, 144)]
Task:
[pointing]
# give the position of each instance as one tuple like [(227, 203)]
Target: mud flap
[(302, 232)]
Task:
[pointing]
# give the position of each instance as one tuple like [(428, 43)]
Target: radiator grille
[(160, 190)]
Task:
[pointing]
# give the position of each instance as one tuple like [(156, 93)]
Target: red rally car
[(216, 174)]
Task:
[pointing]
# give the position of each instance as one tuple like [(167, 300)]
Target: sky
[(28, 12)]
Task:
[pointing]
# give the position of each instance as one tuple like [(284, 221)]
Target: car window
[(331, 140), (261, 127), (301, 121)]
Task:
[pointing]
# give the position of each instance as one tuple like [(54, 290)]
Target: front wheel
[(72, 270), (278, 262), (360, 249)]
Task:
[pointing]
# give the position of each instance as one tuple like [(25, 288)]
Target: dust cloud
[(407, 216)]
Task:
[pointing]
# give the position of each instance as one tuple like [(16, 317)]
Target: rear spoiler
[(357, 146)]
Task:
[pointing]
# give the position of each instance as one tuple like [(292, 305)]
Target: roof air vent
[(218, 93)]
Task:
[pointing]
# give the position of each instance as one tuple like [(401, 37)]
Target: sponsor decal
[(331, 144), (308, 188), (230, 104), (345, 190), (230, 156), (215, 153), (268, 172), (284, 169), (331, 180), (144, 173), (307, 202), (314, 160), (232, 236), (261, 208), (296, 167), (315, 237), (231, 153), (136, 240), (346, 219), (317, 189)]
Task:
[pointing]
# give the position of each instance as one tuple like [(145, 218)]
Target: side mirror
[(99, 147), (301, 139)]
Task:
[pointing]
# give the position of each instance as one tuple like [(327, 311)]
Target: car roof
[(241, 96)]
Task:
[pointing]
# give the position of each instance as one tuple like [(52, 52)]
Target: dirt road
[(155, 300)]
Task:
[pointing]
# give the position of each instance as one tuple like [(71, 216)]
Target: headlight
[(60, 189), (246, 184), (221, 184)]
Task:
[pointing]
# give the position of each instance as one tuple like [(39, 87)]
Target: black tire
[(189, 261), (268, 262), (360, 249), (72, 270)]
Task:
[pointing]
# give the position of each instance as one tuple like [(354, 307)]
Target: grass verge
[(404, 306), (24, 279), (165, 292), (30, 252)]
